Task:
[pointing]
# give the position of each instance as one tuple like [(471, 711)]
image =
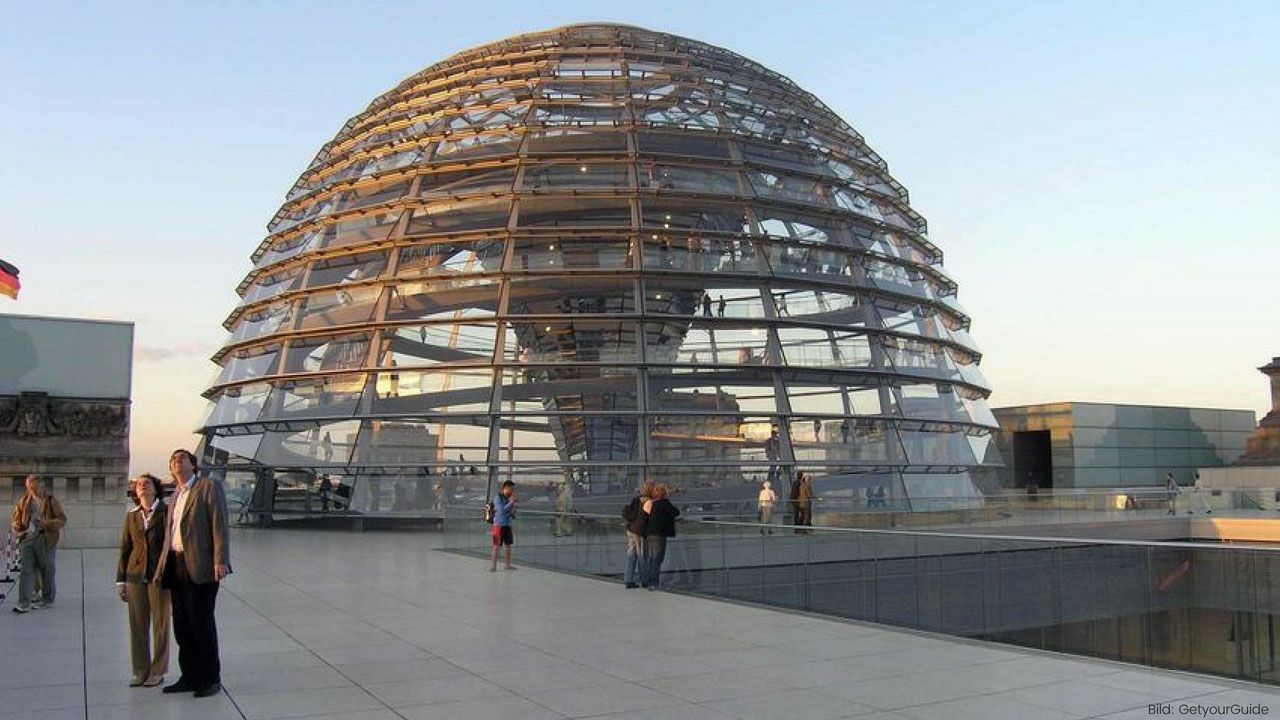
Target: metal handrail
[(925, 533)]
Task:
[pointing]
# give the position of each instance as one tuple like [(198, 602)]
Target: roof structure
[(588, 256)]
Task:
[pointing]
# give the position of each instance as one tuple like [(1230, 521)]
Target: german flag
[(9, 284)]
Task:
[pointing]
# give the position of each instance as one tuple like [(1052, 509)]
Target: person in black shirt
[(660, 524)]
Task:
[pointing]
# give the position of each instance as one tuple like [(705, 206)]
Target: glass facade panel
[(711, 392), (809, 347), (682, 145), (268, 286), (463, 183), (575, 212), (309, 355), (713, 439), (570, 341), (445, 216), (661, 215), (818, 306), (331, 396), (325, 444), (262, 322), (450, 258), (568, 176), (359, 231), (441, 343), (576, 142), (237, 405), (249, 364), (572, 296), (415, 392), (568, 389), (557, 254), (584, 256), (346, 269), (816, 262), (335, 308), (699, 252), (406, 442), (450, 299), (703, 342)]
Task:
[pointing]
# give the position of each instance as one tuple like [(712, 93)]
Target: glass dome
[(588, 256)]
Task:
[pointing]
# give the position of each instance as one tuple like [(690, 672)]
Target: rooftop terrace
[(382, 625)]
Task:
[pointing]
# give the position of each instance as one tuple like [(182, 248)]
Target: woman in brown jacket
[(141, 543)]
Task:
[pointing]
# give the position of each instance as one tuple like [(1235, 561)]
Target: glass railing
[(1193, 606), (1002, 510)]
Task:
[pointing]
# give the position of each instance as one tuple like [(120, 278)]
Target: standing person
[(804, 501), (504, 511), (793, 499), (720, 306), (37, 521), (771, 454), (196, 558), (634, 572), (659, 525), (706, 305), (1199, 490), (141, 543), (1170, 493), (765, 504), (564, 509)]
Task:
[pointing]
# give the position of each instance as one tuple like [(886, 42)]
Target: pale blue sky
[(1101, 175)]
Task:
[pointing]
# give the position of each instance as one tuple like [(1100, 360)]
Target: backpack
[(488, 511)]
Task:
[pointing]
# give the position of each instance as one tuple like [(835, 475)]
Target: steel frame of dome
[(587, 256)]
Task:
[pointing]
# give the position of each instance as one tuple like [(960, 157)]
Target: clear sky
[(1103, 176)]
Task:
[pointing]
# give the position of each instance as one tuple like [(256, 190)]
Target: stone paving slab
[(383, 626)]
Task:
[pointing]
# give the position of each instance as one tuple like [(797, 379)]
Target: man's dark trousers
[(194, 627)]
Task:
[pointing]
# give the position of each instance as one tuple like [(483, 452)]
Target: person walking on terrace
[(634, 571), (37, 521), (771, 452), (141, 542), (1170, 493), (504, 511), (196, 558), (1198, 490), (804, 502), (660, 524)]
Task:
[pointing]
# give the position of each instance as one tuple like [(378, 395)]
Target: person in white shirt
[(196, 560), (764, 504)]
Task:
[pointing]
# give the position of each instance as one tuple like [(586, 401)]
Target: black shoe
[(183, 685), (631, 585), (209, 690)]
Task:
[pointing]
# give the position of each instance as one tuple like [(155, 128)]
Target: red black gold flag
[(9, 284)]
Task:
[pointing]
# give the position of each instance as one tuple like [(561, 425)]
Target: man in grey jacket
[(197, 557)]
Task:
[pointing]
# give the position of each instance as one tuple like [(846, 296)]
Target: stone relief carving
[(35, 413)]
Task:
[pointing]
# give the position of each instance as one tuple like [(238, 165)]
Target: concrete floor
[(378, 626)]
